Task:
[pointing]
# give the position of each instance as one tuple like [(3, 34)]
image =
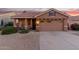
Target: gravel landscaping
[(28, 41)]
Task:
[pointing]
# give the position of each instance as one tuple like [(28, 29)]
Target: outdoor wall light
[(37, 22)]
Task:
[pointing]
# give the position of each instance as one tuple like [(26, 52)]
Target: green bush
[(9, 24), (8, 30), (75, 27), (23, 31)]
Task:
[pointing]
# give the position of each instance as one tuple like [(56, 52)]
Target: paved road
[(58, 41)]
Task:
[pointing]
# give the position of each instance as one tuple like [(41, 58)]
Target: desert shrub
[(75, 26), (24, 31), (8, 30), (9, 24)]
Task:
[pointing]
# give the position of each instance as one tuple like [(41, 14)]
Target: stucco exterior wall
[(65, 24), (55, 25)]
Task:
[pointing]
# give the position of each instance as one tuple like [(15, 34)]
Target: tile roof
[(3, 12), (32, 14), (27, 14)]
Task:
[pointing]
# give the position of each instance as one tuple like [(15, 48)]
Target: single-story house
[(5, 17), (49, 20)]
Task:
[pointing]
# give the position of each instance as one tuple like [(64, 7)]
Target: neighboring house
[(73, 20), (5, 17), (50, 20)]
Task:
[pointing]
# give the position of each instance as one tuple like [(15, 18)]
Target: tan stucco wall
[(55, 25), (20, 22), (66, 24)]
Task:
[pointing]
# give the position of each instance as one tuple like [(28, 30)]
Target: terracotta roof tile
[(32, 14), (27, 14)]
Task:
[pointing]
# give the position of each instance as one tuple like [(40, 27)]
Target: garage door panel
[(54, 26)]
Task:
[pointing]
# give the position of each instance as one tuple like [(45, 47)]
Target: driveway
[(59, 41), (53, 40)]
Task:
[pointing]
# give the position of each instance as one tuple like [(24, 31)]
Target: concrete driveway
[(59, 41), (40, 41)]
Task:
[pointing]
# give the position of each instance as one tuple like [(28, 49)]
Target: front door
[(34, 24)]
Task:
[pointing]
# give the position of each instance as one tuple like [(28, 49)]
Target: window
[(48, 21), (55, 19), (51, 13), (59, 19), (41, 20)]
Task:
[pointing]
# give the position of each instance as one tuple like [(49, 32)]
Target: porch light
[(17, 21), (37, 22)]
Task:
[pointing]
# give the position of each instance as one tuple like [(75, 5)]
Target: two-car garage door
[(56, 25)]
